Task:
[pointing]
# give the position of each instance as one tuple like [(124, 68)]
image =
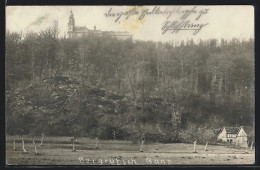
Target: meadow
[(58, 151)]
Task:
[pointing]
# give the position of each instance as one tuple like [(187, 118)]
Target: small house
[(240, 136), (228, 134)]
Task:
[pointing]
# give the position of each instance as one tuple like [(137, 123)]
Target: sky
[(221, 21)]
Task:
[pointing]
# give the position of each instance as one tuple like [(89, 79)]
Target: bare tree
[(246, 148), (23, 145), (251, 148), (42, 139), (35, 149)]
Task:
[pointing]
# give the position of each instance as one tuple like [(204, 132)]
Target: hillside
[(102, 86)]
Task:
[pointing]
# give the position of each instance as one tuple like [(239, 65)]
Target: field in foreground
[(58, 151)]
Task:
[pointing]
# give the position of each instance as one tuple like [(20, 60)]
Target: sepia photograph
[(130, 85)]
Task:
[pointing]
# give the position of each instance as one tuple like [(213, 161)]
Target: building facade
[(228, 134), (239, 136), (82, 31)]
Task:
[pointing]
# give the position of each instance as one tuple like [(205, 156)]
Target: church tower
[(71, 24)]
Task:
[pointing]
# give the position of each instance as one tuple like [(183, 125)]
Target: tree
[(140, 84)]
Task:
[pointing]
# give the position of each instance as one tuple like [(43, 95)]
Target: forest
[(109, 88)]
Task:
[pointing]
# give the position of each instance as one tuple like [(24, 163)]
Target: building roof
[(95, 31), (232, 130), (116, 33), (121, 33), (80, 29), (111, 33), (84, 29)]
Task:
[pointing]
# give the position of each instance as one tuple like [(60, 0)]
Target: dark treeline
[(153, 89)]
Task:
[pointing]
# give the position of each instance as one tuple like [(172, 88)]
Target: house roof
[(232, 130)]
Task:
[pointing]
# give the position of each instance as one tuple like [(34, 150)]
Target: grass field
[(58, 151)]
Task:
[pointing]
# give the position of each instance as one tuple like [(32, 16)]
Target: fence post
[(97, 143), (73, 145), (141, 147), (42, 139), (195, 142), (206, 145), (14, 145)]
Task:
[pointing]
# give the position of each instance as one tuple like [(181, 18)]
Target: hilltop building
[(81, 31)]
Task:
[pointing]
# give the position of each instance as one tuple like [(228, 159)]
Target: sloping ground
[(66, 106), (58, 105)]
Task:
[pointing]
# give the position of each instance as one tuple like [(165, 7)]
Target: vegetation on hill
[(97, 86)]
